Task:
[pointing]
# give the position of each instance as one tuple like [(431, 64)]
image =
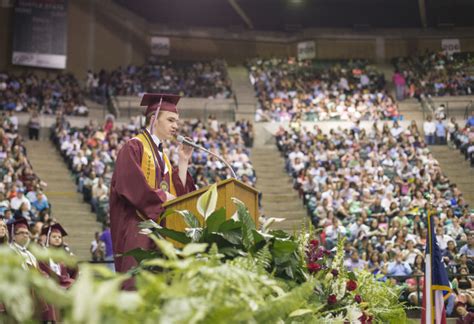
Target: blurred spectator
[(187, 79), (437, 74), (311, 90), (97, 248), (53, 93), (429, 129)]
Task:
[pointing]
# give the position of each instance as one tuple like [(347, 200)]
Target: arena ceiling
[(292, 15)]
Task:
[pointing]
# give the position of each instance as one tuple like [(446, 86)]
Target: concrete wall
[(102, 34), (223, 109), (5, 36), (272, 128)]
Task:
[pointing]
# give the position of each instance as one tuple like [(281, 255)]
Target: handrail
[(468, 107)]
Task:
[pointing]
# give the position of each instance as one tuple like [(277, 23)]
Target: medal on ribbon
[(164, 186)]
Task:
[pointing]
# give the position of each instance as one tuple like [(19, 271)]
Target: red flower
[(314, 267), (332, 299), (358, 299), (314, 243), (327, 252), (334, 272), (351, 285), (364, 319)]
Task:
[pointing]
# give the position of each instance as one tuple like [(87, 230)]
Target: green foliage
[(234, 237), (207, 202), (382, 298), (231, 273)]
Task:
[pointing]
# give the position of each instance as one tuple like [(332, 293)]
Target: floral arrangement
[(227, 271), (349, 297)]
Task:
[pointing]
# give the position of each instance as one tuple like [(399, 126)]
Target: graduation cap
[(159, 102), (16, 224), (52, 228)]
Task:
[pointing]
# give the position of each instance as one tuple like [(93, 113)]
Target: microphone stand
[(221, 159), (183, 141)]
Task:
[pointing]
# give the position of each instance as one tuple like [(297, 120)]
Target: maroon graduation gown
[(130, 192), (65, 279)]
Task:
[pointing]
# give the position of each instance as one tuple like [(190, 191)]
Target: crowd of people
[(59, 92), (318, 91), (21, 190), (90, 153), (434, 74), (25, 213), (462, 137), (187, 79), (375, 187)]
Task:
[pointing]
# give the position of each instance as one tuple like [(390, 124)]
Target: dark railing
[(469, 108)]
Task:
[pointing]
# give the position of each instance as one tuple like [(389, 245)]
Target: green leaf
[(193, 248), (230, 225), (282, 248), (140, 254), (194, 234), (172, 234), (165, 247), (233, 237), (280, 234), (149, 223), (207, 202), (247, 223), (189, 218), (269, 221), (169, 211), (257, 237), (232, 252), (300, 312), (243, 214), (352, 276), (215, 220)]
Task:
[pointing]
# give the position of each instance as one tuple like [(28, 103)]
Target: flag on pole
[(436, 285)]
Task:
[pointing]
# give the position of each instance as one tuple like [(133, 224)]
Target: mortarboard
[(53, 228), (159, 102), (18, 223)]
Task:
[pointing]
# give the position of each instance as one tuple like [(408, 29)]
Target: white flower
[(145, 231), (339, 288), (353, 314), (330, 319)]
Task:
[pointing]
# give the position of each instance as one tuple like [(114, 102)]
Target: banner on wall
[(306, 50), (451, 46), (160, 46), (40, 33)]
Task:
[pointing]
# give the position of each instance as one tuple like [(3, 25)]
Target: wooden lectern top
[(226, 190), (199, 192)]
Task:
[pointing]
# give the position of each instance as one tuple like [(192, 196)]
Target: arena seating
[(57, 92), (375, 186), (437, 74), (350, 90), (90, 153), (21, 191), (189, 79)]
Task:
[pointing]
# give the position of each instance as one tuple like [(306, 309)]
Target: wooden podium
[(226, 190)]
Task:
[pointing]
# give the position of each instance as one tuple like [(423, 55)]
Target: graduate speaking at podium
[(144, 178)]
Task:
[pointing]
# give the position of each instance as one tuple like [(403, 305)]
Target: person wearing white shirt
[(429, 128), (334, 231), (396, 130), (442, 238), (20, 240), (17, 201)]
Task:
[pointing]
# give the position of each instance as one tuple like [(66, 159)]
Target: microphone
[(181, 139)]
